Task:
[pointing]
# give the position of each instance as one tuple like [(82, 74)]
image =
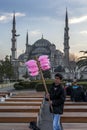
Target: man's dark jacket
[(57, 95)]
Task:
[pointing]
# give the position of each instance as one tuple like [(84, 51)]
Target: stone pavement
[(46, 122)]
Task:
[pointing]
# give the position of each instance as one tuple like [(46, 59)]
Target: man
[(57, 98), (77, 93)]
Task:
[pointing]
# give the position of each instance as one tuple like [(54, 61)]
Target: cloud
[(5, 17), (78, 20), (35, 32), (83, 32), (19, 14)]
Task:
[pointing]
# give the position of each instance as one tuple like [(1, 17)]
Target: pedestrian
[(77, 93), (57, 98)]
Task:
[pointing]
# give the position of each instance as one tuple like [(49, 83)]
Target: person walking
[(57, 98)]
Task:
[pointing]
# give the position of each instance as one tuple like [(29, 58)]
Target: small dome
[(21, 57), (59, 69)]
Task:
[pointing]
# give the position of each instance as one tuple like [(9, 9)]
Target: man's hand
[(50, 102), (48, 96)]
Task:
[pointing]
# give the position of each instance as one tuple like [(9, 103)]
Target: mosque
[(59, 60)]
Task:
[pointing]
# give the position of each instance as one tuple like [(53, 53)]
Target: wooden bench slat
[(74, 126), (75, 103), (21, 103), (24, 99), (15, 126), (20, 109), (30, 94), (75, 108), (75, 117), (5, 92), (18, 117)]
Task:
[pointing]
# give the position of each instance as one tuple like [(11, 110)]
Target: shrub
[(17, 86), (40, 86)]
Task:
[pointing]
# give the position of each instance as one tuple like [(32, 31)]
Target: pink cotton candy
[(44, 62), (31, 63), (34, 73), (45, 67), (32, 67), (43, 57)]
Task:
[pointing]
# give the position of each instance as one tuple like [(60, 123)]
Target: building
[(42, 47)]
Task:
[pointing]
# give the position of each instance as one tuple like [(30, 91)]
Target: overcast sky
[(45, 17)]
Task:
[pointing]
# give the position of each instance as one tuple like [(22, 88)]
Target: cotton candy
[(34, 73), (44, 62), (32, 67)]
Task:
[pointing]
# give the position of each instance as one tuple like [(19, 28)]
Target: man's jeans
[(56, 122)]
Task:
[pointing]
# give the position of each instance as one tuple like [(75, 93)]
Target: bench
[(34, 109), (28, 94), (75, 108), (14, 126), (21, 103), (74, 117), (24, 99), (5, 92), (74, 126), (75, 103), (3, 95), (16, 117), (68, 99)]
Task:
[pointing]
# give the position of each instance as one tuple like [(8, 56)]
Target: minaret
[(14, 49), (27, 42), (66, 41), (42, 36)]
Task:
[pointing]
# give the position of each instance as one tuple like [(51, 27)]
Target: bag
[(33, 126)]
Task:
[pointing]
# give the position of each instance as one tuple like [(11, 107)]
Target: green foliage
[(6, 69), (18, 87), (30, 84), (40, 86), (25, 85)]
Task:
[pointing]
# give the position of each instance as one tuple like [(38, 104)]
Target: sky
[(43, 17)]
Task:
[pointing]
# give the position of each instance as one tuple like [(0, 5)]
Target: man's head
[(58, 78)]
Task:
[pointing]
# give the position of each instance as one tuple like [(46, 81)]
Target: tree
[(1, 72), (82, 61), (6, 68)]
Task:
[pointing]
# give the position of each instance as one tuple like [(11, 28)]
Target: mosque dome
[(42, 43), (41, 47)]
